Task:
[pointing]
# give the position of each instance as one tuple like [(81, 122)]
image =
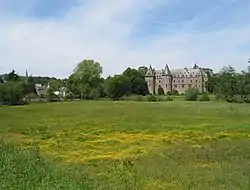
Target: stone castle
[(176, 80)]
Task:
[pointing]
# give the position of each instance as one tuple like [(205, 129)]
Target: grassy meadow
[(125, 145)]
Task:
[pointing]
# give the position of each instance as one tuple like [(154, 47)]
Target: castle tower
[(167, 80), (150, 79)]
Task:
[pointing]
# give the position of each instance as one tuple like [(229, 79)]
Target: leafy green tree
[(12, 93), (143, 70), (137, 81), (29, 86), (12, 76), (86, 79), (118, 86), (204, 97)]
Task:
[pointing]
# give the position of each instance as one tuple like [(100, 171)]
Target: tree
[(1, 80), (11, 93), (29, 86), (12, 76), (118, 86), (191, 94), (143, 70), (86, 79), (137, 81)]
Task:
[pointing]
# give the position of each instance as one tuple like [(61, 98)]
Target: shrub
[(169, 98), (139, 98), (12, 93), (94, 95), (238, 99), (191, 94), (160, 98), (219, 97), (151, 98), (173, 92), (204, 97), (247, 99)]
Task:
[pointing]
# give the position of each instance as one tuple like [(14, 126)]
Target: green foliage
[(143, 70), (151, 98), (85, 80), (169, 98), (204, 97), (191, 94), (11, 93), (137, 81), (238, 99), (51, 96), (174, 92), (230, 85), (137, 98), (118, 86), (247, 98), (28, 170), (160, 98), (12, 76)]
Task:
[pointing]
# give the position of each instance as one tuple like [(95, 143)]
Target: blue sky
[(49, 37)]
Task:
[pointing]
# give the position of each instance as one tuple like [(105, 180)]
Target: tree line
[(86, 82), (230, 85)]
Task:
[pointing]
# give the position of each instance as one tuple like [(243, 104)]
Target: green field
[(126, 145)]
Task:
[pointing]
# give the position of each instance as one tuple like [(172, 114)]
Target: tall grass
[(28, 170)]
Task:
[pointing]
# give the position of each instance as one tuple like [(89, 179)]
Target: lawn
[(137, 145)]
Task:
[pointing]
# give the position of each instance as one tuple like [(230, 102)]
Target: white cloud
[(102, 31)]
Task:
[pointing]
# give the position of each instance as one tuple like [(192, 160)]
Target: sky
[(49, 37)]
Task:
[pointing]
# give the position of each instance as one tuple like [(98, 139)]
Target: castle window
[(196, 80), (191, 81), (182, 81), (174, 81), (159, 81), (183, 86), (190, 85), (178, 81), (166, 85), (175, 86)]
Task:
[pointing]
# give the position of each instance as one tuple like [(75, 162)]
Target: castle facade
[(177, 79)]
